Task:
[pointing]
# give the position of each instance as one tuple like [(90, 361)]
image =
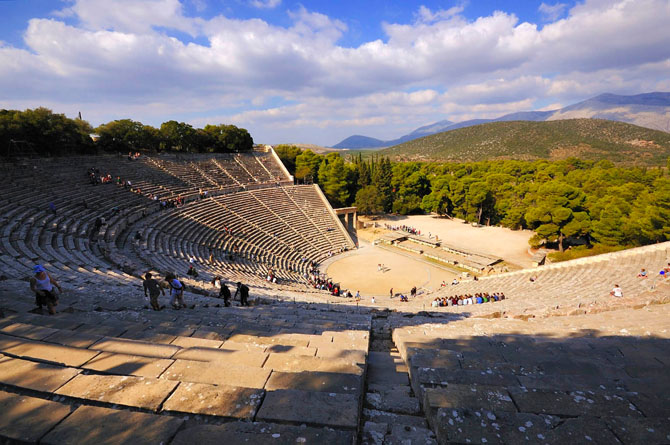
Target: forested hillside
[(591, 139), (565, 202)]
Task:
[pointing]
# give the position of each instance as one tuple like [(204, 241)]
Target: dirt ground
[(510, 245), (357, 270)]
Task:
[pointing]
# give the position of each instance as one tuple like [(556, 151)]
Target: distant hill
[(594, 139), (651, 110), (358, 141)]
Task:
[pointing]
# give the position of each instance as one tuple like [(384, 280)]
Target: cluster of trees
[(42, 132), (129, 135), (568, 202)]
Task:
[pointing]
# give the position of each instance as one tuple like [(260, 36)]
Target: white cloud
[(265, 4), (116, 55), (425, 15), (551, 13)]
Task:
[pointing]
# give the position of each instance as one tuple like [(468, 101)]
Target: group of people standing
[(224, 291), (155, 288)]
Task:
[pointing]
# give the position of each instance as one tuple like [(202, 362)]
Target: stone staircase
[(293, 371)]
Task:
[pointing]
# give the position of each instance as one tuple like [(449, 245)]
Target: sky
[(319, 71)]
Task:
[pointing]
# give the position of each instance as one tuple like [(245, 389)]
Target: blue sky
[(319, 71)]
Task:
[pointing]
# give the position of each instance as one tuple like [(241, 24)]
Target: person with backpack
[(224, 291), (243, 291), (176, 292), (154, 289)]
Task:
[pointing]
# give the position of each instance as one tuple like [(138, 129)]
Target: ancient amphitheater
[(558, 361)]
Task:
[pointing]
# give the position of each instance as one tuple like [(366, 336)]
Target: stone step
[(217, 373), (47, 352), (312, 408), (136, 392), (27, 419), (124, 364), (215, 400), (91, 424), (34, 376), (262, 434)]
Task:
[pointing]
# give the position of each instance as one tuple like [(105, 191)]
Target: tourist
[(617, 291), (243, 291), (43, 285), (455, 282), (372, 300), (176, 292), (154, 289), (413, 292), (358, 295), (391, 293), (224, 291), (642, 274), (192, 271)]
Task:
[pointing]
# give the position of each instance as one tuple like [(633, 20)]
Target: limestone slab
[(315, 381), (91, 424), (408, 434), (36, 376), (215, 400), (229, 345), (294, 363), (149, 335), (396, 401), (310, 407), (425, 358), (72, 338), (332, 351), (279, 339), (217, 373), (653, 402), (138, 392), (261, 434), (634, 430), (135, 347), (103, 330), (27, 419), (252, 359), (443, 377), (321, 341), (391, 418), (576, 403), (192, 342), (292, 350), (374, 433), (489, 398), (29, 331), (124, 364), (581, 430), (482, 426), (559, 382), (211, 335), (50, 352)]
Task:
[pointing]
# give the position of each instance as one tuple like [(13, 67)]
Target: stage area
[(358, 270), (511, 245)]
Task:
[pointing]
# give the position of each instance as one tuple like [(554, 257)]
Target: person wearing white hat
[(43, 285)]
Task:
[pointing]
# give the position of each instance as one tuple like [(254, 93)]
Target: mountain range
[(650, 110)]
